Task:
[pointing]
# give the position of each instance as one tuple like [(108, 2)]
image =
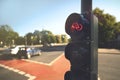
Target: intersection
[(39, 70), (52, 65)]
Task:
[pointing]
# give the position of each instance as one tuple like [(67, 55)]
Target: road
[(47, 57), (6, 74), (108, 65)]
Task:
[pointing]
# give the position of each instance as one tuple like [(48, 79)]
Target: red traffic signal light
[(73, 24), (76, 27)]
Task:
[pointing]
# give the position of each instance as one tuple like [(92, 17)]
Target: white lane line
[(98, 78), (21, 72), (27, 75), (30, 77), (9, 68), (16, 70), (56, 59)]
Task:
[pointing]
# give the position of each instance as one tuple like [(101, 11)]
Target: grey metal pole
[(86, 5)]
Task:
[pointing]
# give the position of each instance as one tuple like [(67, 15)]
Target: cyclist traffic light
[(77, 26), (78, 51)]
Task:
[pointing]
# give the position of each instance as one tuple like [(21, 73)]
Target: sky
[(29, 15)]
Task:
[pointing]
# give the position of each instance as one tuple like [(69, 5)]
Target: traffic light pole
[(86, 7), (82, 50)]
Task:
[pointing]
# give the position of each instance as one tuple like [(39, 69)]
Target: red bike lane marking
[(42, 72)]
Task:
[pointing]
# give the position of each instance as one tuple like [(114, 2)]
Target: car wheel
[(18, 56), (28, 56)]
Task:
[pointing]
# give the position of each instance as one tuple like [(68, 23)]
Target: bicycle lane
[(54, 71)]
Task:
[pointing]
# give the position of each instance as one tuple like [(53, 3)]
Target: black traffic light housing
[(82, 50), (77, 26)]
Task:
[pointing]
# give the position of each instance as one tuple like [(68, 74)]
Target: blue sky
[(28, 15)]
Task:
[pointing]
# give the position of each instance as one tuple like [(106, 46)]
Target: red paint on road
[(42, 72)]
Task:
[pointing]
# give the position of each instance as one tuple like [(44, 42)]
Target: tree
[(37, 37), (11, 37), (52, 38), (47, 37), (106, 25), (20, 41), (7, 35), (29, 38), (117, 29), (64, 38), (58, 39)]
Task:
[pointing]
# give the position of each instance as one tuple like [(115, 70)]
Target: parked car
[(14, 50), (28, 52)]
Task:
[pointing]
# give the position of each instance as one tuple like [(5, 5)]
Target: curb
[(108, 51)]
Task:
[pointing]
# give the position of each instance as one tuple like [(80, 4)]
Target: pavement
[(41, 71), (107, 51)]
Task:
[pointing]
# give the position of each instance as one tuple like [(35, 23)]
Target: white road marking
[(56, 59), (21, 72), (16, 70), (30, 77), (98, 78)]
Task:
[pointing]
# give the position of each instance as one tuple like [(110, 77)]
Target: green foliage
[(47, 37), (64, 38), (107, 26), (117, 28), (58, 39), (109, 29), (29, 38), (44, 37), (7, 35), (20, 41)]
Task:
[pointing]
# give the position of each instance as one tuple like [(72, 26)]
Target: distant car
[(28, 52), (14, 50)]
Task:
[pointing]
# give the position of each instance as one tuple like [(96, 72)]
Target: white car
[(14, 50), (28, 52)]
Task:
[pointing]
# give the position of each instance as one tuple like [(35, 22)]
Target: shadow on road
[(53, 48), (7, 57)]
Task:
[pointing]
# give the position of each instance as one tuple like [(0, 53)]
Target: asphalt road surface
[(6, 74), (109, 66), (47, 57)]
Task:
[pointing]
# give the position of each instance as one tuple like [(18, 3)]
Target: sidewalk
[(107, 51)]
